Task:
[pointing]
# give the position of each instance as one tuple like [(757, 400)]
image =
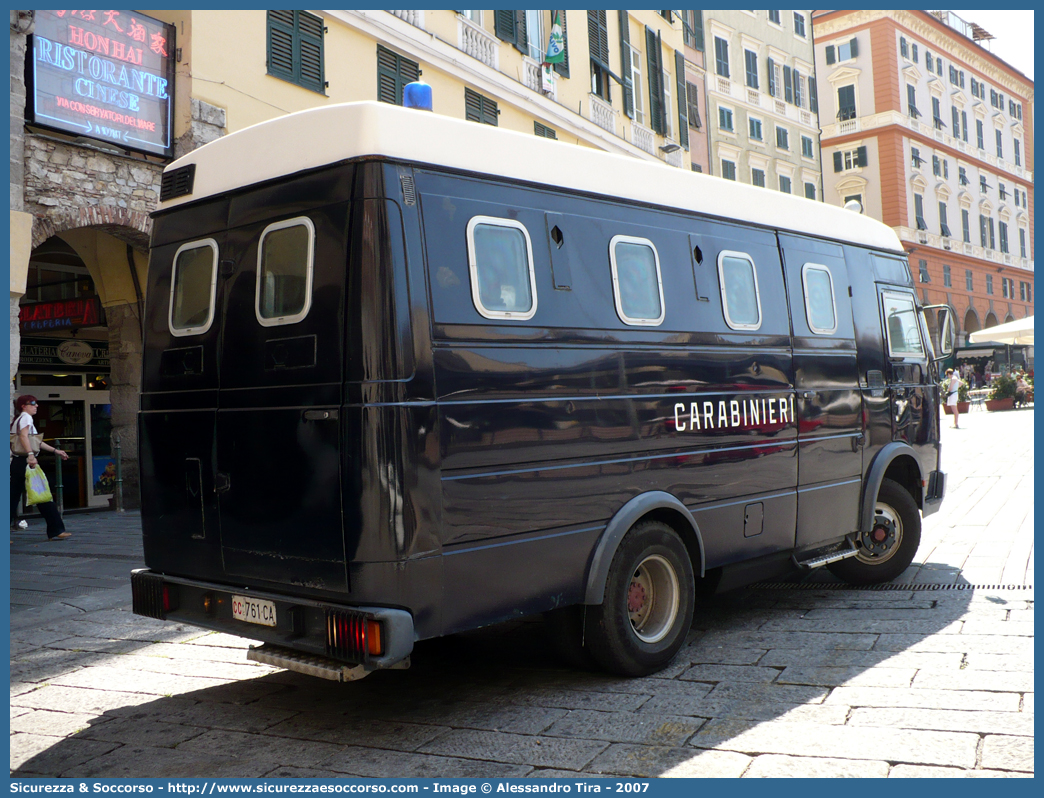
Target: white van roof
[(320, 136)]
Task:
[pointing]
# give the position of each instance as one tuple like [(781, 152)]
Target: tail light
[(352, 636), (151, 596)]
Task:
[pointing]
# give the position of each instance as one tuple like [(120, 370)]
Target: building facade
[(118, 94), (933, 134), (763, 117)]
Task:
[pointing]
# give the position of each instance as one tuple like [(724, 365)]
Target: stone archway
[(1009, 317), (113, 246), (971, 321), (991, 320)]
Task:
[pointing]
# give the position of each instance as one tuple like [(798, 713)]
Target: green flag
[(556, 44)]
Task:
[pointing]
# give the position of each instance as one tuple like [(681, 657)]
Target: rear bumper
[(300, 624), (934, 493)]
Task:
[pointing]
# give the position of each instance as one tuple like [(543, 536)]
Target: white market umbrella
[(1015, 332)]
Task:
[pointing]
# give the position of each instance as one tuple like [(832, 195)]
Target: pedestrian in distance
[(23, 428), (952, 390)]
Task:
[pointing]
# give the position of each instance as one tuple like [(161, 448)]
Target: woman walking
[(952, 390), (23, 427)]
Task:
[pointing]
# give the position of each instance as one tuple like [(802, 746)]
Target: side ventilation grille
[(409, 194), (177, 182)]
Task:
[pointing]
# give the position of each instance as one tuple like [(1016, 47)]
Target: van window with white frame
[(739, 290), (820, 306), (637, 286), (192, 288), (500, 261), (904, 337), (284, 272)]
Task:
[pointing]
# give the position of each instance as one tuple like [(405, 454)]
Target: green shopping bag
[(37, 491)]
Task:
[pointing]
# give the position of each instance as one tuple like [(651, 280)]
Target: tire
[(565, 627), (648, 604), (889, 547)]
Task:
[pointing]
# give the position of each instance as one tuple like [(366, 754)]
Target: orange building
[(933, 134)]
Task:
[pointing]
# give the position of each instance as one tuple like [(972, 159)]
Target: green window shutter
[(563, 68), (281, 44), (788, 86), (861, 156), (683, 111), (544, 131), (598, 36), (295, 48), (310, 31), (504, 25), (697, 18), (855, 47), (656, 98), (521, 33), (625, 63), (693, 94), (393, 73), (813, 98), (472, 106), (480, 109), (772, 77), (830, 54), (837, 162)]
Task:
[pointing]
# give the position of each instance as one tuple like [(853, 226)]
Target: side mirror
[(942, 328)]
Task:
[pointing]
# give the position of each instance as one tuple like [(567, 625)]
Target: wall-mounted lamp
[(670, 147)]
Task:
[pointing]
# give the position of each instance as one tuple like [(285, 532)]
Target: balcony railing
[(848, 126), (642, 137), (753, 96), (724, 85), (602, 114), (474, 41), (415, 18), (781, 108)]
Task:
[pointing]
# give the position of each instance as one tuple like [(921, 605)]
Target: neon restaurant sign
[(106, 75)]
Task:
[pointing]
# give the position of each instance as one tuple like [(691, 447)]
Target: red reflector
[(166, 599)]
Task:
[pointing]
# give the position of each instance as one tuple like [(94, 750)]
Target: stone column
[(21, 226), (125, 349)]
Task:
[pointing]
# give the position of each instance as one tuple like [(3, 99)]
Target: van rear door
[(178, 416), (277, 471), (826, 380)]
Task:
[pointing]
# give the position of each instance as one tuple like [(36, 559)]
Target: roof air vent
[(177, 182)]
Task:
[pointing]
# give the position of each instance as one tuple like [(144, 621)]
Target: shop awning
[(1019, 331)]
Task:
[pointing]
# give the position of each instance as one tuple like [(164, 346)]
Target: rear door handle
[(222, 482)]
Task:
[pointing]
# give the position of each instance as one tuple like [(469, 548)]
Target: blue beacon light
[(417, 95)]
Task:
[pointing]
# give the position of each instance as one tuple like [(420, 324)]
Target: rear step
[(311, 664), (848, 549)]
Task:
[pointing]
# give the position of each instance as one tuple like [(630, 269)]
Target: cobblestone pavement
[(780, 680)]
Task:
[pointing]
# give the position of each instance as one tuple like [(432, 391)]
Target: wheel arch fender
[(676, 514), (875, 476)]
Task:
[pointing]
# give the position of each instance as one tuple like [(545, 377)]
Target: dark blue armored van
[(406, 376)]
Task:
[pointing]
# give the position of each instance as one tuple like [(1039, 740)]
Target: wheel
[(648, 603), (889, 547), (566, 629)]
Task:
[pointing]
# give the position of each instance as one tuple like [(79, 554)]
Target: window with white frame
[(284, 272), (754, 129), (639, 86), (192, 288), (740, 299), (820, 306), (637, 287), (500, 262)]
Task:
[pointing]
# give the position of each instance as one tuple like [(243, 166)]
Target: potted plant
[(962, 397), (1002, 397)]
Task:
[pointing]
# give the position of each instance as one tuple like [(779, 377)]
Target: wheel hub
[(882, 538), (635, 597)]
